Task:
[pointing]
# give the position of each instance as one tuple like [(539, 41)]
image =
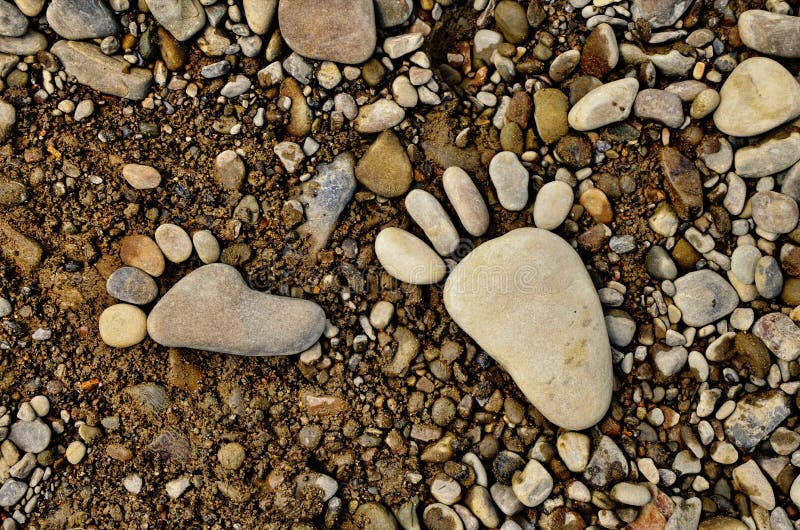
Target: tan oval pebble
[(123, 325), (141, 177), (408, 258), (429, 214), (466, 200), (705, 103), (553, 204), (206, 246), (142, 252), (119, 452), (75, 452), (174, 242), (596, 203)]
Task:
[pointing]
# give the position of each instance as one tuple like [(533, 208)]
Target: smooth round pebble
[(553, 204), (466, 200), (510, 179), (408, 258), (206, 246), (132, 285), (142, 252), (231, 456), (428, 213), (123, 325), (5, 307), (743, 263), (75, 452), (174, 242), (141, 177)]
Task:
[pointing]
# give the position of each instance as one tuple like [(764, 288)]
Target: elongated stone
[(109, 75), (770, 33), (605, 104), (213, 309), (408, 258), (428, 213), (466, 200), (514, 295)]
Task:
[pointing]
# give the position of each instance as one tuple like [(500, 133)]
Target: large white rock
[(527, 300), (759, 95), (605, 104), (408, 258)]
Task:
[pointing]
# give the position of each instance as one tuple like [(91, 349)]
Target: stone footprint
[(211, 308), (525, 297)]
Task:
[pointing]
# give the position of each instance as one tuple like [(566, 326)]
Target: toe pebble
[(429, 214)]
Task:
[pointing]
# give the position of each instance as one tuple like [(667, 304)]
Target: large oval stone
[(213, 309), (527, 300), (342, 31), (759, 95)]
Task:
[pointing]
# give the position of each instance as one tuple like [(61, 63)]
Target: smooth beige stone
[(123, 325), (408, 258), (527, 300)]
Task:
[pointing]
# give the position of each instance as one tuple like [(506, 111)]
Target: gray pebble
[(768, 277), (132, 285)]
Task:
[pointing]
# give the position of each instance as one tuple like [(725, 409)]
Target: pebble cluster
[(568, 115)]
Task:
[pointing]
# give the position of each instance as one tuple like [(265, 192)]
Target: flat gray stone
[(12, 492), (770, 33), (758, 95), (30, 436), (341, 31), (182, 18), (780, 334), (325, 197), (390, 13), (704, 297), (769, 156), (12, 22), (659, 105), (213, 309), (109, 75), (513, 295), (132, 285), (755, 417), (659, 13), (81, 19), (31, 43)]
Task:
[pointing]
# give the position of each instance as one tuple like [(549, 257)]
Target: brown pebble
[(142, 252), (141, 177), (596, 203), (119, 452)]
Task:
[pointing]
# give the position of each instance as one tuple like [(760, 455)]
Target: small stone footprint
[(210, 309), (524, 297)]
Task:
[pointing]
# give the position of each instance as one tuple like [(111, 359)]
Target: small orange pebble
[(90, 384), (597, 204)]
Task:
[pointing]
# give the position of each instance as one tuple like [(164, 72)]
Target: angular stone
[(385, 168), (11, 493), (659, 105), (81, 19), (15, 246), (109, 75), (182, 18), (682, 181), (749, 479), (379, 116), (605, 104), (341, 31), (704, 297), (770, 33), (325, 197), (608, 464), (659, 13), (774, 212), (755, 417), (758, 95), (213, 309), (512, 295), (408, 258), (780, 334), (30, 436)]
